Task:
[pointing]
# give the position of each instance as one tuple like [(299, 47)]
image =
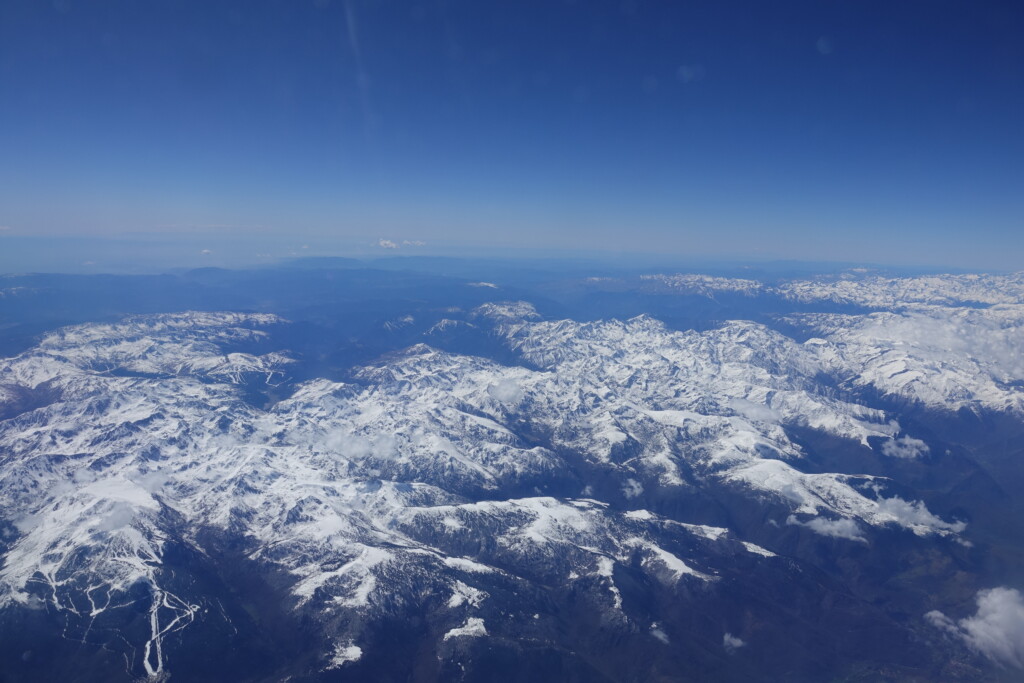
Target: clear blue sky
[(888, 131)]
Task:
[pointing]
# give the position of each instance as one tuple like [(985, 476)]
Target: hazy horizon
[(854, 132), (154, 254)]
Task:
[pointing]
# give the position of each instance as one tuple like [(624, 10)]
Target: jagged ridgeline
[(823, 489)]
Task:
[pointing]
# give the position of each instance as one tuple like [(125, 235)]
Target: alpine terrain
[(370, 475)]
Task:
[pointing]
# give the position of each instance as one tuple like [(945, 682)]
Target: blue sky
[(883, 131)]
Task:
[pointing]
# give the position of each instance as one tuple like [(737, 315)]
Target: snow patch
[(758, 550), (467, 565), (464, 594)]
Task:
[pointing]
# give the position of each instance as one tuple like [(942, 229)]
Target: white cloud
[(996, 630), (506, 391), (120, 515), (414, 243), (357, 447), (386, 244), (915, 514), (473, 628), (205, 252), (345, 653), (153, 481), (754, 411), (837, 528), (905, 447), (732, 643), (632, 488)]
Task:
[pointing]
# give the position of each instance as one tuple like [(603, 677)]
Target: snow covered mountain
[(876, 291), (858, 287), (945, 358), (167, 487), (943, 341)]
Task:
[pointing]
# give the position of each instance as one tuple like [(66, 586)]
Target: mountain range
[(475, 486)]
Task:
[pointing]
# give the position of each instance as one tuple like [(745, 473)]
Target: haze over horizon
[(877, 132)]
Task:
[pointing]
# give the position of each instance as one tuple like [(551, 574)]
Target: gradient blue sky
[(885, 131)]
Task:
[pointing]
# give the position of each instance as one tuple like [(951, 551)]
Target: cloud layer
[(837, 528), (996, 630), (904, 447), (732, 643)]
